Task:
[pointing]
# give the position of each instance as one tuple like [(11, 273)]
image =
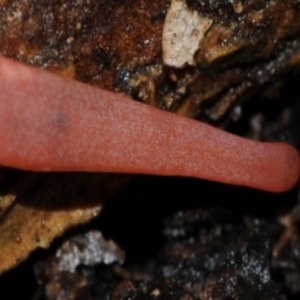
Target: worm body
[(50, 123)]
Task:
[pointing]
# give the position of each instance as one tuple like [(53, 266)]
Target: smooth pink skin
[(50, 123)]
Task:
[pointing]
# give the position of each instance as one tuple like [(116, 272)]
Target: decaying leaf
[(5, 203), (215, 53), (183, 31), (47, 205)]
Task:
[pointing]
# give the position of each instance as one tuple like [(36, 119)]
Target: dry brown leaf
[(5, 202), (46, 206)]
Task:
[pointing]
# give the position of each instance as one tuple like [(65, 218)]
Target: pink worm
[(50, 123)]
